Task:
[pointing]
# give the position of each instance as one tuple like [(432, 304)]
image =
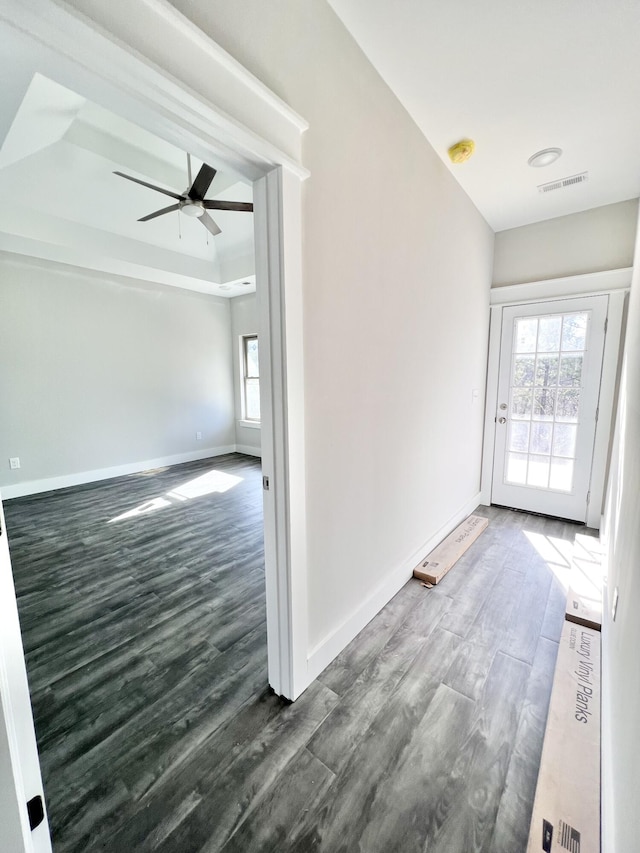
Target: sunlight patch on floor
[(587, 579), (206, 484), (557, 554)]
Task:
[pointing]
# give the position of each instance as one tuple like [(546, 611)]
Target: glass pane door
[(545, 399), (550, 365)]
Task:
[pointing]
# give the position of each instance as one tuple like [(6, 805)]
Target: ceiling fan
[(192, 202)]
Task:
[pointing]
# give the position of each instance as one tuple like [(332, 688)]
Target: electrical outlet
[(14, 462), (198, 436)]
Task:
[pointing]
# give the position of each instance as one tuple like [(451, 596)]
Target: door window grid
[(544, 404)]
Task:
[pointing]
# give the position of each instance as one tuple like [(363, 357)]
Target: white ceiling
[(516, 76), (61, 200)]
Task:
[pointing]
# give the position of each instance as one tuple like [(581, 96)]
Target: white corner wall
[(100, 374), (397, 271), (621, 638), (592, 241), (244, 321)]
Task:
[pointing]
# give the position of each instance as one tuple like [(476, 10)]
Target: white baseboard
[(33, 487), (322, 655), (248, 450)]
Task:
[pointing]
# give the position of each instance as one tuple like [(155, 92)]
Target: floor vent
[(561, 183)]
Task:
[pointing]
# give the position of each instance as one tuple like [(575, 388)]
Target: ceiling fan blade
[(159, 212), (202, 182), (208, 223), (151, 186), (227, 205)]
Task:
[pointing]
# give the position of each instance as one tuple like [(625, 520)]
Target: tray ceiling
[(61, 200)]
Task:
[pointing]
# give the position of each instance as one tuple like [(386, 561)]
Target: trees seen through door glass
[(544, 405)]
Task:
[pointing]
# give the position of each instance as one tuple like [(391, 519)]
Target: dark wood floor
[(146, 652)]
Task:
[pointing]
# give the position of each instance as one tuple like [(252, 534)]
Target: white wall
[(621, 638), (244, 321), (102, 371), (595, 240), (397, 270)]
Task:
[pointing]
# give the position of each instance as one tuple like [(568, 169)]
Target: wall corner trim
[(322, 655)]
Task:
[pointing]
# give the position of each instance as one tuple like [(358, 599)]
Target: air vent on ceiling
[(561, 183)]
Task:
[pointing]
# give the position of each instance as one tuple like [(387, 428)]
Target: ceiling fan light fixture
[(545, 157), (193, 208), (192, 202)]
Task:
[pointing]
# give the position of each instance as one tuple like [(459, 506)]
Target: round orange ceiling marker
[(461, 151)]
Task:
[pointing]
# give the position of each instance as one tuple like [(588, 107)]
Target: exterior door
[(548, 388)]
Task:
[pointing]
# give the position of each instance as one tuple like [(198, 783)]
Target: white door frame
[(20, 779), (615, 284), (236, 121), (195, 95)]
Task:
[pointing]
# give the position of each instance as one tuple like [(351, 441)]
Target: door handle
[(502, 420)]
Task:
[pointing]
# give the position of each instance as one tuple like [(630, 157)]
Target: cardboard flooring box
[(434, 567), (566, 810)]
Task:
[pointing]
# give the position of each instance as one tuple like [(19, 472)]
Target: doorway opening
[(550, 397), (246, 134), (549, 382), (141, 596)]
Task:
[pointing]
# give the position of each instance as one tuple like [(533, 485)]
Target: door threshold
[(540, 514)]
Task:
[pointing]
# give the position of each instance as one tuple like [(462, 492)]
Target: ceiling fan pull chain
[(179, 226)]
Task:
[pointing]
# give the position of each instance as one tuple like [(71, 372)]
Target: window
[(250, 378)]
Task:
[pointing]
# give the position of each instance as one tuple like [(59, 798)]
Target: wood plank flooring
[(146, 651)]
